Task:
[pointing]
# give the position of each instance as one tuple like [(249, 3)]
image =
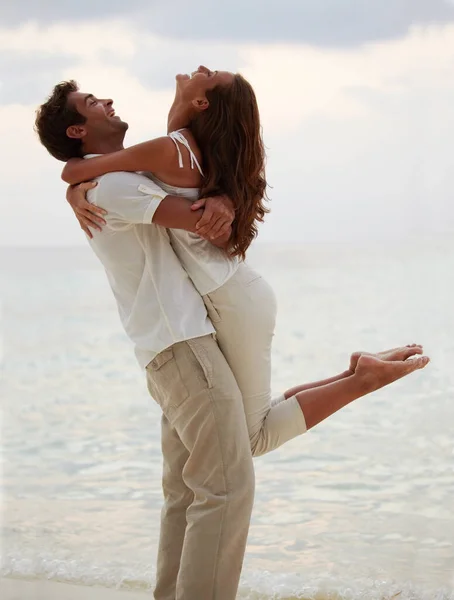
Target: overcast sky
[(357, 103)]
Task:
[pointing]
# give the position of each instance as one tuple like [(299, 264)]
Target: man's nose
[(108, 102)]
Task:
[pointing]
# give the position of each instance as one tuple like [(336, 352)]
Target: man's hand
[(87, 214), (223, 240), (217, 218)]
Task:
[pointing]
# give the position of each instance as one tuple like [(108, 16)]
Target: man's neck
[(103, 146)]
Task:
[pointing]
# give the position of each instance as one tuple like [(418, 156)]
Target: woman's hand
[(217, 218), (87, 214)]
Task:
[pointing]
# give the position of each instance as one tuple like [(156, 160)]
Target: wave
[(258, 585)]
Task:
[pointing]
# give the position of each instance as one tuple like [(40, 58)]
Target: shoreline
[(21, 589)]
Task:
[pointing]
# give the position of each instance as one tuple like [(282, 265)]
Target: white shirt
[(157, 302), (208, 267)]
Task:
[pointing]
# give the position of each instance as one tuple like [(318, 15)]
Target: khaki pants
[(208, 476), (243, 312)]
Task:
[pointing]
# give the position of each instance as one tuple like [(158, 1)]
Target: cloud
[(23, 80), (110, 38), (328, 23), (34, 57), (51, 11), (359, 140)]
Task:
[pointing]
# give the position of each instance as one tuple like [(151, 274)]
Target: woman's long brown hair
[(229, 135)]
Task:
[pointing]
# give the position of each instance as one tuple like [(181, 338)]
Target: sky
[(356, 101)]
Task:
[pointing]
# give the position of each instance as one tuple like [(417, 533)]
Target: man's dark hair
[(53, 119)]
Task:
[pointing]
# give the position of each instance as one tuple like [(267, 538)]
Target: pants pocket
[(165, 383), (203, 361)]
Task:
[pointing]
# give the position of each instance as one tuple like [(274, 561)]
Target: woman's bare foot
[(400, 353), (375, 373)]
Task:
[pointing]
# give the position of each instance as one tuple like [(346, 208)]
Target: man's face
[(101, 120)]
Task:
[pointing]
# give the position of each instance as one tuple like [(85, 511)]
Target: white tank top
[(208, 267)]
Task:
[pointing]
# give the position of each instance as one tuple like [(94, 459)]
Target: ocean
[(361, 507)]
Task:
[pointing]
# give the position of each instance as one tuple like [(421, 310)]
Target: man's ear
[(200, 103), (76, 131)]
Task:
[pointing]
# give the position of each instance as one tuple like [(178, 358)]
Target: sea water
[(361, 507)]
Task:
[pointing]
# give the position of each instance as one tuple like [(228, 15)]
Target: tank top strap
[(178, 138)]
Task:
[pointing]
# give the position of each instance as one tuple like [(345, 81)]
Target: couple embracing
[(171, 221)]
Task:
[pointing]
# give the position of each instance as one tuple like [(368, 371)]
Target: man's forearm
[(175, 212)]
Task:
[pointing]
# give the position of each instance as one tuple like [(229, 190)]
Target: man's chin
[(122, 125)]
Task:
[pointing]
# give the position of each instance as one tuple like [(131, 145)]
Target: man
[(208, 477)]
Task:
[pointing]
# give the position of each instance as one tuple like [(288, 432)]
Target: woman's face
[(190, 87)]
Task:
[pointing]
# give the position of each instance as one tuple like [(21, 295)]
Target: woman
[(221, 151)]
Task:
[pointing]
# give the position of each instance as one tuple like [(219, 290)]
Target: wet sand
[(16, 589)]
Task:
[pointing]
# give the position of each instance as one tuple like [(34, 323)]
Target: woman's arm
[(155, 155)]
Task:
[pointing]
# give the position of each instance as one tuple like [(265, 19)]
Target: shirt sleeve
[(129, 198)]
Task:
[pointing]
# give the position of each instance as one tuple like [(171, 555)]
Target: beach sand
[(16, 589)]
